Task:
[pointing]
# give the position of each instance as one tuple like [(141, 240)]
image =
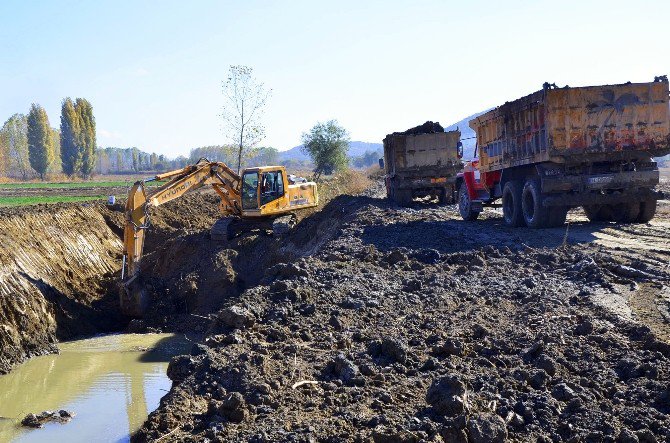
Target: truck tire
[(534, 213), (465, 204), (557, 216), (625, 212), (446, 196), (403, 197), (647, 211), (511, 203), (597, 213)]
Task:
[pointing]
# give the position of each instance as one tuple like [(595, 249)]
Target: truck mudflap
[(594, 198), (600, 182)]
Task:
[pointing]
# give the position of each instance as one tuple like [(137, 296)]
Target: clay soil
[(371, 322)]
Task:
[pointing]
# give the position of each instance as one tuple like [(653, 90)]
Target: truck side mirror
[(459, 149), (381, 163)]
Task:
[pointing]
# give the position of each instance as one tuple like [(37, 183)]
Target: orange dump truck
[(560, 148), (422, 161)]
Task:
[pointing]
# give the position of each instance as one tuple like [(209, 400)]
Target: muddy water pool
[(111, 383)]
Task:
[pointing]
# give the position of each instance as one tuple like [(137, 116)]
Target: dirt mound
[(368, 331), (426, 128)]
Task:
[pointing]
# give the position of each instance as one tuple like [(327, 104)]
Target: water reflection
[(110, 382)]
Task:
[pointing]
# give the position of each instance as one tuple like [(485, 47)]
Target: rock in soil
[(38, 420)]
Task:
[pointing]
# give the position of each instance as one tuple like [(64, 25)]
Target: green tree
[(40, 144), (56, 164), (368, 159), (71, 154), (86, 140), (244, 102), (135, 156), (14, 138), (327, 144)]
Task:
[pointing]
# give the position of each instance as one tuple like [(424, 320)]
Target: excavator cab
[(267, 192)]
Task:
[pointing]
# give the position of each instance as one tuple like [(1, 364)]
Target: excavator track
[(221, 230), (283, 225)]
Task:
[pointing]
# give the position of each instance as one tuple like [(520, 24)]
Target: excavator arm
[(223, 179)]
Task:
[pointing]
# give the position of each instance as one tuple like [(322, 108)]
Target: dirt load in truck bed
[(374, 323)]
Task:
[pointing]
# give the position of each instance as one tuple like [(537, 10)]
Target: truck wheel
[(557, 216), (625, 212), (647, 211), (511, 203), (403, 197), (444, 196), (465, 204), (597, 213), (535, 214)]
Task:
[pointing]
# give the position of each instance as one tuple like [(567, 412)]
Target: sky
[(153, 70)]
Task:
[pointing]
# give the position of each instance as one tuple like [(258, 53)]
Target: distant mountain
[(467, 134), (356, 148)]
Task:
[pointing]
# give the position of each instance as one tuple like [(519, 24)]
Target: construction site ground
[(368, 322)]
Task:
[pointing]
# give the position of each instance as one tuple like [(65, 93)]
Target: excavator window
[(272, 186), (250, 190)]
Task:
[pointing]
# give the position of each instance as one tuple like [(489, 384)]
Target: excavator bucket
[(133, 297)]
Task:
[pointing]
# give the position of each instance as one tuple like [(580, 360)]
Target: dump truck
[(422, 161), (560, 148), (260, 198)]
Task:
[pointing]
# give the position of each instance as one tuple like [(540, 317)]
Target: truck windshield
[(250, 190)]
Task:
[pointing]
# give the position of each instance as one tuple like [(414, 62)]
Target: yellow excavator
[(262, 198)]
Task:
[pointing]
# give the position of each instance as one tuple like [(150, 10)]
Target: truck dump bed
[(415, 156), (576, 125)]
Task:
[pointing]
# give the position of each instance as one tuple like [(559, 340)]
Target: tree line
[(30, 147)]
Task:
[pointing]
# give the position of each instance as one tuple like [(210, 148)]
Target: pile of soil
[(426, 128), (373, 323)]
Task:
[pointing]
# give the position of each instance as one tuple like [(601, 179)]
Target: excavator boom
[(140, 201)]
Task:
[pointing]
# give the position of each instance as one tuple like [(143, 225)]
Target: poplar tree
[(14, 135), (71, 155), (40, 144), (86, 140)]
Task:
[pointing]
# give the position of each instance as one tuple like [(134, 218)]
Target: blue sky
[(153, 70)]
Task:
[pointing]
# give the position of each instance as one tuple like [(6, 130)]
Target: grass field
[(71, 185), (34, 200)]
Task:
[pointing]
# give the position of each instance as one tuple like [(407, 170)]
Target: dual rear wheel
[(522, 206)]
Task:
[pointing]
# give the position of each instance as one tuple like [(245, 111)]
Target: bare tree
[(244, 100)]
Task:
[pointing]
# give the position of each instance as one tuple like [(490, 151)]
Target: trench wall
[(56, 263)]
